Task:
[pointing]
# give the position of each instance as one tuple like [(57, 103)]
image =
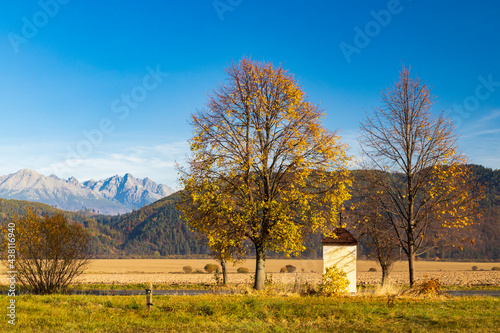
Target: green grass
[(369, 287), (474, 287), (140, 286), (252, 313), (130, 286)]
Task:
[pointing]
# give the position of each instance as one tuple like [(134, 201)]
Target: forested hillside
[(156, 230), (105, 240), (487, 231)]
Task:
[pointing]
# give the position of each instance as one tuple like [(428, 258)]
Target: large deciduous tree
[(262, 167), (426, 187)]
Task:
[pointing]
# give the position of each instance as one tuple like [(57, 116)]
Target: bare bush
[(49, 252)]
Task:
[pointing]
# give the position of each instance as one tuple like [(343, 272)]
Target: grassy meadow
[(285, 305), (250, 313)]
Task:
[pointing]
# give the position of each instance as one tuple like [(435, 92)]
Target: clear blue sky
[(84, 90)]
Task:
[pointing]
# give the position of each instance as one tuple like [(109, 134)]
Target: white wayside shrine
[(342, 252)]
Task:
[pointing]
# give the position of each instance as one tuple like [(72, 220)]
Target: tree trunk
[(224, 272), (386, 270), (411, 262), (260, 274)]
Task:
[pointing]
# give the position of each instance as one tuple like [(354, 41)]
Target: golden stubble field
[(169, 271)]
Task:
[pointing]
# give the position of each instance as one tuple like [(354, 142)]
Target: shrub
[(210, 268), (242, 270), (187, 269), (334, 281), (429, 287), (290, 268), (372, 269), (474, 268), (49, 251), (496, 268)]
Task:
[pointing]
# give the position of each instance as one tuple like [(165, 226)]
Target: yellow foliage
[(335, 281), (262, 166)]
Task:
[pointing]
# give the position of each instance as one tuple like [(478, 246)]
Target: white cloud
[(155, 162), (492, 115), (483, 132), (482, 148)]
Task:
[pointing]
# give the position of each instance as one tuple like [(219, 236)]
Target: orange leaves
[(49, 251)]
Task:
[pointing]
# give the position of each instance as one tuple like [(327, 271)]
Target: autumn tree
[(49, 252), (262, 167), (224, 251), (373, 225), (425, 187)]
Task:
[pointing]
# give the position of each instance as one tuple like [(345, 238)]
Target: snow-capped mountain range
[(114, 195)]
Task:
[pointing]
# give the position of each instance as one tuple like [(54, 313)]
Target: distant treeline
[(157, 231)]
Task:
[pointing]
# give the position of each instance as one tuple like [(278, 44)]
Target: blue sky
[(92, 89)]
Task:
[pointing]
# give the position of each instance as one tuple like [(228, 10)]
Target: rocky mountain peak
[(112, 195)]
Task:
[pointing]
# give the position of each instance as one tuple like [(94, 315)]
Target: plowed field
[(169, 271)]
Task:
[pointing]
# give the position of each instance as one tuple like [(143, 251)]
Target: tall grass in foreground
[(249, 313)]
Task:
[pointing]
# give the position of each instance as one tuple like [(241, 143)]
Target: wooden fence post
[(149, 296)]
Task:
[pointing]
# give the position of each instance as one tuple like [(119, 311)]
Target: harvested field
[(114, 266), (169, 271)]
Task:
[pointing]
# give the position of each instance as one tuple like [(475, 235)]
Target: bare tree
[(49, 252), (373, 225), (426, 187)]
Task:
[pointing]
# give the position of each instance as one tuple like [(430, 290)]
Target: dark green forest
[(157, 231)]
